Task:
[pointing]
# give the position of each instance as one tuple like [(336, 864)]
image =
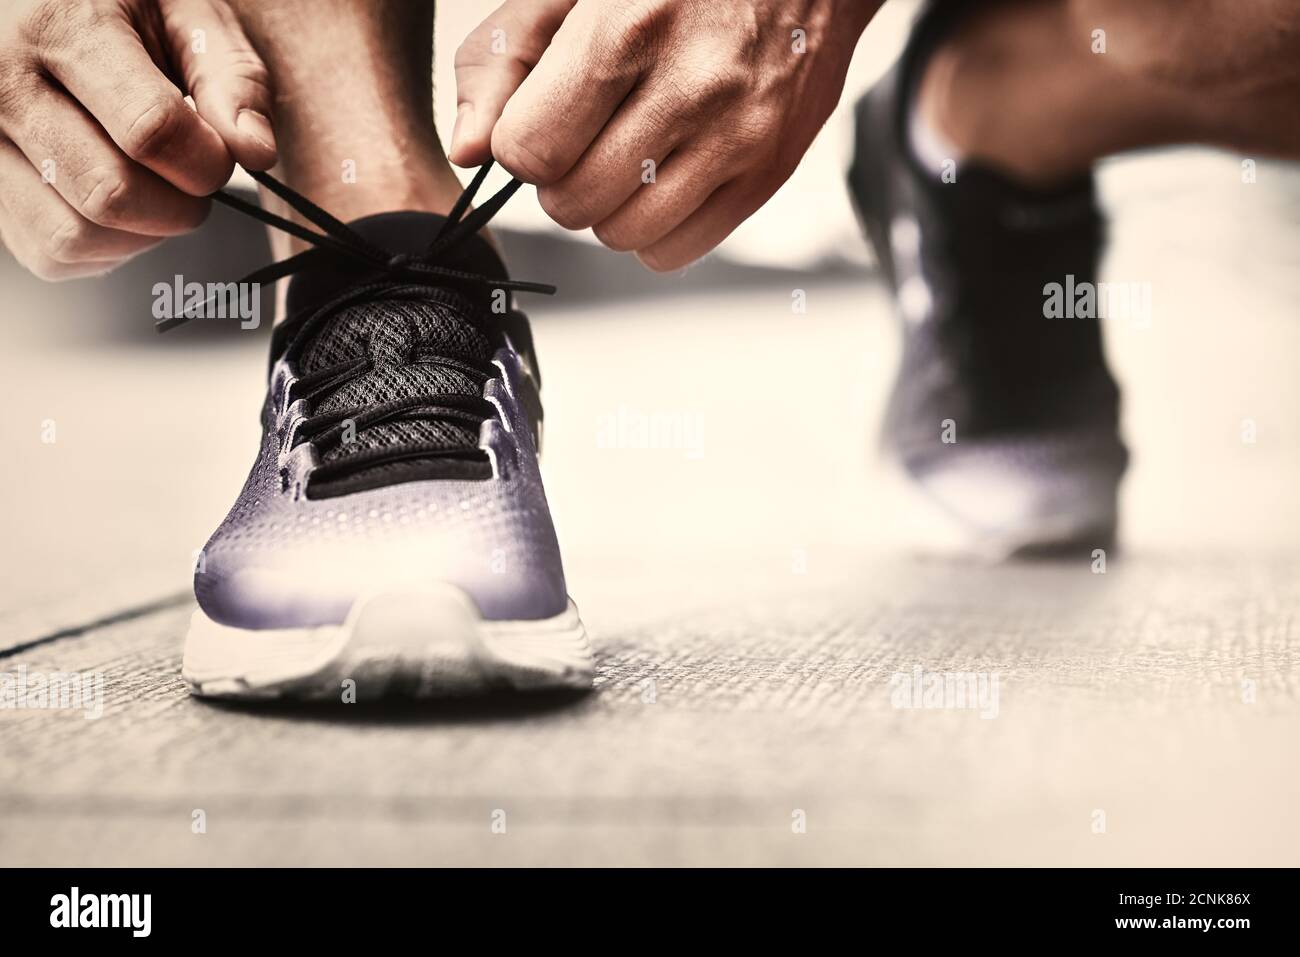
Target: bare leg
[(1020, 86), (353, 111)]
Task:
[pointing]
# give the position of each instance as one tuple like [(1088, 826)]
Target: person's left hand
[(663, 124)]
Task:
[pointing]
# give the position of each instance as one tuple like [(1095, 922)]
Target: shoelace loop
[(340, 239)]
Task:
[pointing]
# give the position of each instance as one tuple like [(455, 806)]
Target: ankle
[(997, 95), (354, 186), (1016, 89), (363, 183), (366, 145)]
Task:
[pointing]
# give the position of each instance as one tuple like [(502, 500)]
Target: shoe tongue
[(398, 332), (402, 338)]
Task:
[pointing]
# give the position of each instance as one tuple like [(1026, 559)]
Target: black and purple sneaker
[(394, 531)]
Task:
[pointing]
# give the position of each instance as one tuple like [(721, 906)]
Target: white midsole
[(435, 632)]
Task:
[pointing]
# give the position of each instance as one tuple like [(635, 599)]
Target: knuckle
[(59, 34), (42, 268), (736, 148), (491, 42), (47, 23), (470, 51), (463, 55), (630, 33), (66, 242), (18, 79), (754, 134), (712, 86), (715, 157), (247, 67), (155, 126), (566, 207), (615, 235), (105, 196), (479, 40), (528, 156), (15, 91), (657, 261)]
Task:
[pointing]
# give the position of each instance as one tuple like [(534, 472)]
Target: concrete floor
[(749, 590)]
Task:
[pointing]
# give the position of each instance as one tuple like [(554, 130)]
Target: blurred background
[(757, 566)]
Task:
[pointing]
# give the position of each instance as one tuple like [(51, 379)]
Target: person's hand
[(663, 124), (100, 155)]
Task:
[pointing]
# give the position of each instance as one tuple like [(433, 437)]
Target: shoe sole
[(425, 643)]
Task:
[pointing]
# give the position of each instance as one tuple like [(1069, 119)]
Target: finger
[(627, 157), (710, 224), (564, 102), (106, 68), (75, 157), (48, 236), (227, 79), (684, 182), (491, 63)]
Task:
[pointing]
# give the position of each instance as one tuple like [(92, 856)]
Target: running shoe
[(393, 537), (1004, 419)]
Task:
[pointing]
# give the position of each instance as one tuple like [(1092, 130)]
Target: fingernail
[(255, 125), (464, 128)]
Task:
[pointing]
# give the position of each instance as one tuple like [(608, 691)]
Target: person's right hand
[(100, 155)]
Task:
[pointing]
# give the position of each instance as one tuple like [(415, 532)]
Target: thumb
[(226, 77), (491, 64)]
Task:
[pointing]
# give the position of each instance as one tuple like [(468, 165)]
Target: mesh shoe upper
[(404, 341)]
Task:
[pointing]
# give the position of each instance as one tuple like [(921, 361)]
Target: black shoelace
[(396, 276), (337, 238)]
